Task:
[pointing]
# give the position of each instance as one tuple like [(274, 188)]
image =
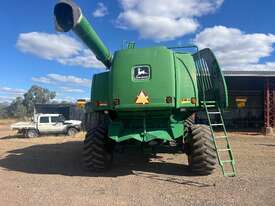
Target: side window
[(54, 119), (44, 119)]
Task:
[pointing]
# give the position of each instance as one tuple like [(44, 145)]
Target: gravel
[(48, 171)]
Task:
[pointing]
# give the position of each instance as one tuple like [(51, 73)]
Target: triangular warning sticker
[(142, 98)]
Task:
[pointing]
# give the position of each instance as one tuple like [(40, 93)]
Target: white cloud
[(86, 59), (237, 50), (12, 91), (44, 80), (63, 79), (6, 99), (162, 20), (58, 47), (101, 10), (71, 90), (65, 99), (8, 94), (60, 98)]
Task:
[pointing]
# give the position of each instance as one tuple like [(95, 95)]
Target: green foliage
[(22, 107), (37, 95), (17, 109), (3, 110)]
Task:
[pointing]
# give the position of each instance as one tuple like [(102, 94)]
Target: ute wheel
[(72, 131), (31, 133), (201, 150), (98, 150)]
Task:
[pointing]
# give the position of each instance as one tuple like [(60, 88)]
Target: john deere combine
[(150, 95)]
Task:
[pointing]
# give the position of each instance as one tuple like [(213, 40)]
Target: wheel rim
[(72, 132), (31, 134)]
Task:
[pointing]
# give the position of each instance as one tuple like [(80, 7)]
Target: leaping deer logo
[(141, 72)]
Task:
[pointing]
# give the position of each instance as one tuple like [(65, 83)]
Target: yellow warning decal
[(142, 98)]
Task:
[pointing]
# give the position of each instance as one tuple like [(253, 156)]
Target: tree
[(16, 108), (3, 110), (37, 95)]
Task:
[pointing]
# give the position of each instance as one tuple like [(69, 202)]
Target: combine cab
[(151, 95)]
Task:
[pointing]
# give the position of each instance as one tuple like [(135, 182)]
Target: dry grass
[(8, 121)]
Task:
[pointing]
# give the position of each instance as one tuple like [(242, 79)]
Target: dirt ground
[(48, 171)]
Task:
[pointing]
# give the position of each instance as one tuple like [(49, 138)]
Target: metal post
[(268, 107), (266, 103)]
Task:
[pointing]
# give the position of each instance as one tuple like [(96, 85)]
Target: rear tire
[(98, 150), (31, 133), (98, 147), (201, 150), (189, 122)]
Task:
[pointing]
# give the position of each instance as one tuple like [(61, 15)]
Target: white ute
[(47, 124)]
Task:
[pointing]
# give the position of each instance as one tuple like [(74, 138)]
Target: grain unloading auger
[(150, 95)]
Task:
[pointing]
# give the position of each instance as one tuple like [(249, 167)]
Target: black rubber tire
[(94, 119), (98, 147), (201, 150), (72, 131), (189, 122), (98, 150), (31, 133)]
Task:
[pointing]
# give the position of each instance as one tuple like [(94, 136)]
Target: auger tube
[(68, 16)]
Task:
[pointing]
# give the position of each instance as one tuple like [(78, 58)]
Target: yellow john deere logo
[(142, 98)]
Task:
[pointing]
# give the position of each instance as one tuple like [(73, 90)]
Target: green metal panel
[(119, 133), (100, 92), (158, 86), (186, 80), (146, 126)]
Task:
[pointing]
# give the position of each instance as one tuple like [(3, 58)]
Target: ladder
[(221, 142)]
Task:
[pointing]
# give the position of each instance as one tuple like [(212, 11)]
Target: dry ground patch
[(48, 171)]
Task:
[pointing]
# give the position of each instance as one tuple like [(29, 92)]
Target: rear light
[(169, 100), (100, 104), (193, 100)]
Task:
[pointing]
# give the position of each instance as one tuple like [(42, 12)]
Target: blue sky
[(241, 33)]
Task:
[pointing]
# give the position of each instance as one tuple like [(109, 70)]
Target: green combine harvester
[(150, 95)]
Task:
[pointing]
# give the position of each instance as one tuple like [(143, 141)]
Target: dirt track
[(48, 171)]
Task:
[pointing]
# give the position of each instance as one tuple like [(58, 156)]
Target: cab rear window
[(44, 119)]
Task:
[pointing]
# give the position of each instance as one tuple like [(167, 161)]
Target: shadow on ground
[(65, 159), (17, 136), (267, 145)]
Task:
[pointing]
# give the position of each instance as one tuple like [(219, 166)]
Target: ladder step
[(209, 102), (213, 112), (227, 161), (220, 124), (210, 105), (221, 137), (229, 174), (224, 150)]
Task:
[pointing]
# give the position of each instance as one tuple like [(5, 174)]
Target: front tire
[(201, 150), (72, 131)]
